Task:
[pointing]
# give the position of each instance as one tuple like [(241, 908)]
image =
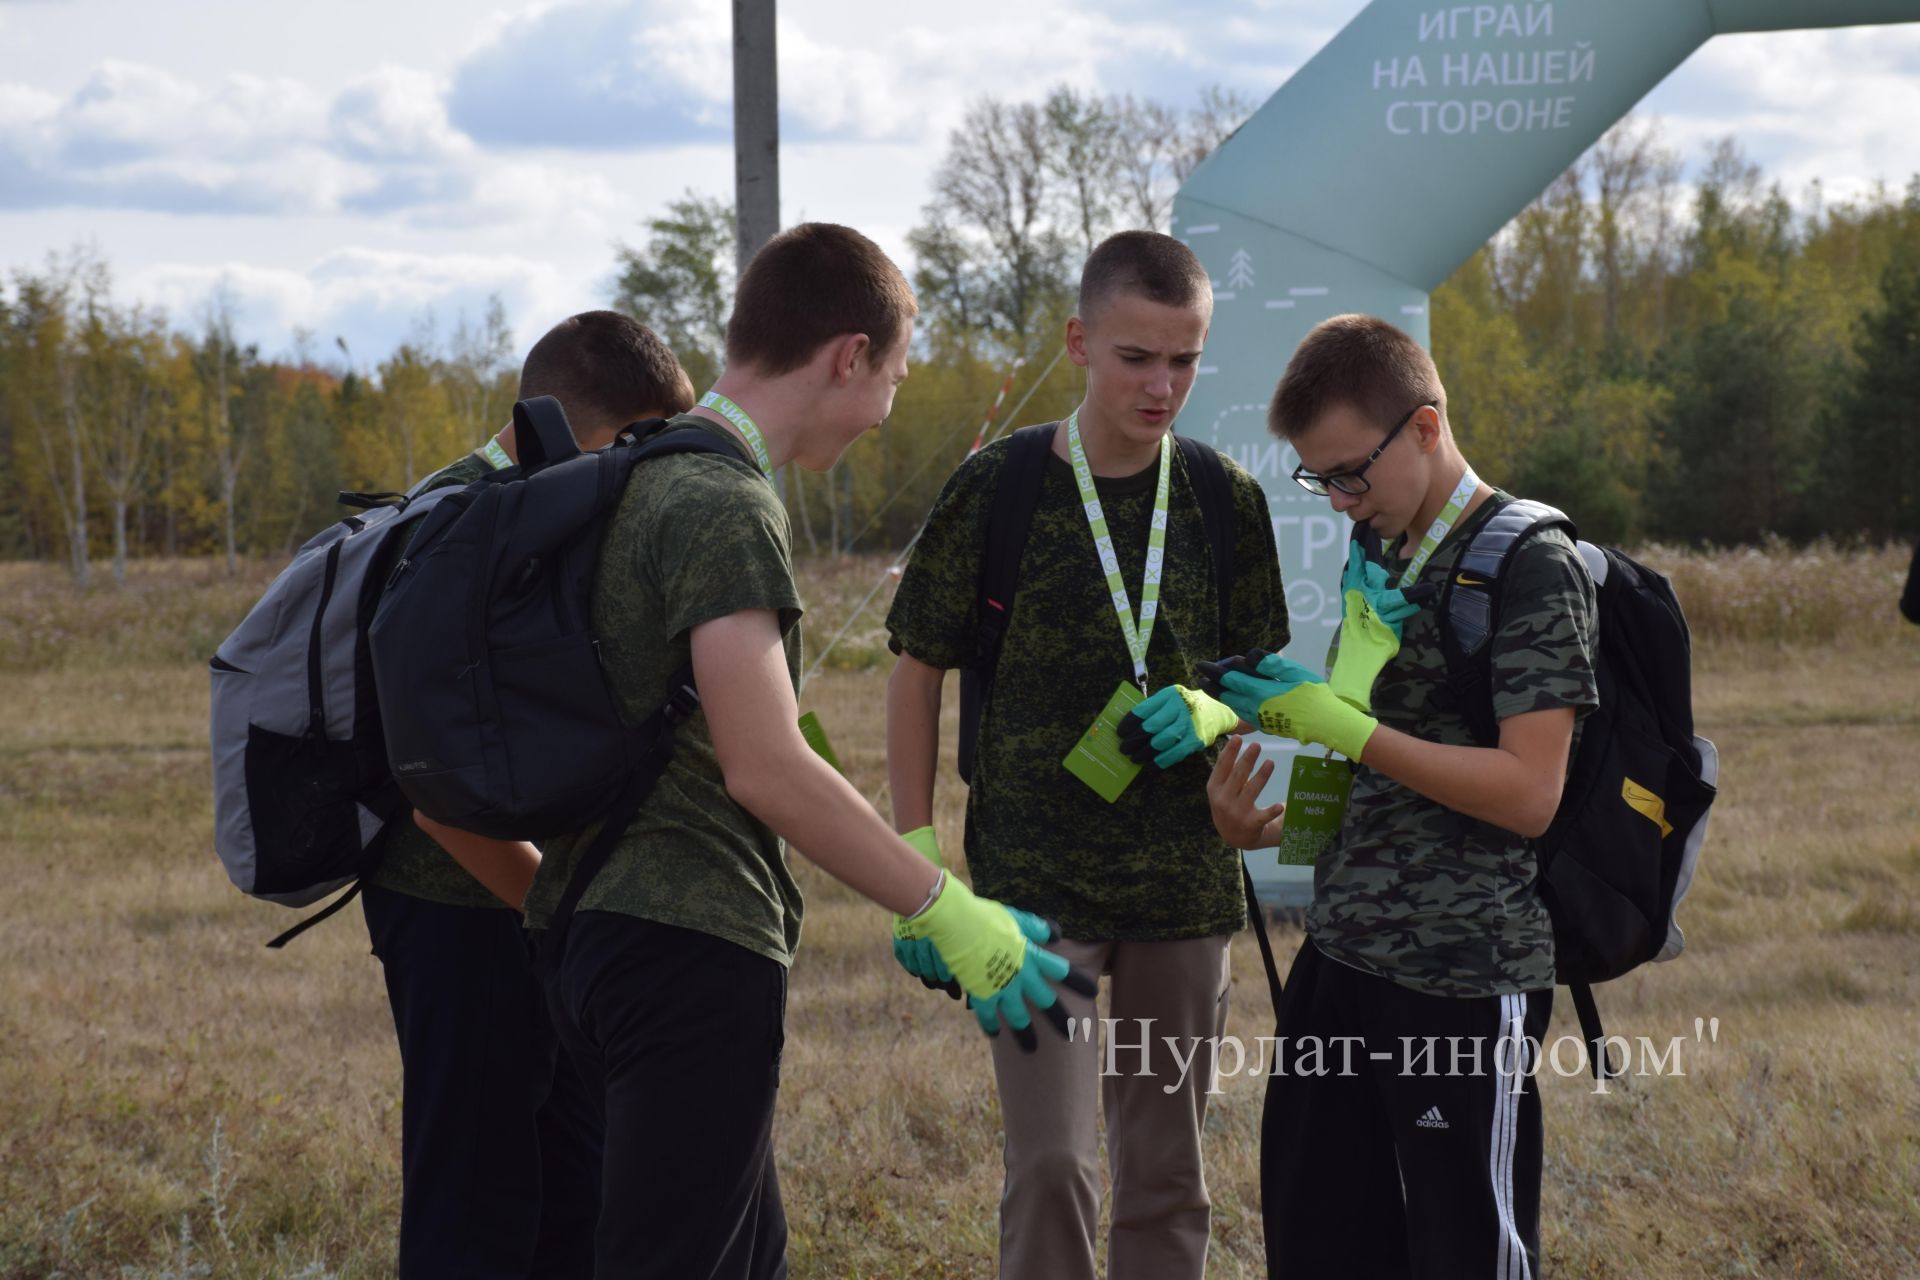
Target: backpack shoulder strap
[(649, 441), (1470, 605), (1016, 493), (1208, 475), (541, 435)]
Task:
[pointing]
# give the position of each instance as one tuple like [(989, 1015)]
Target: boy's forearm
[(802, 798), (504, 867), (913, 740), (1514, 790)]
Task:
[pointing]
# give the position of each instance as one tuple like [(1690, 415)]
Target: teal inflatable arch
[(1381, 166)]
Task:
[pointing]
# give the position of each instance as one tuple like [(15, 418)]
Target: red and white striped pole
[(994, 412)]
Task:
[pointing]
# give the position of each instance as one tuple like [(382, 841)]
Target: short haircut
[(808, 286), (1358, 361), (606, 369), (1153, 266)]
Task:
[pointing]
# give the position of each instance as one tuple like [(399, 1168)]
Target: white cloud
[(630, 74), (137, 137), (1836, 105)]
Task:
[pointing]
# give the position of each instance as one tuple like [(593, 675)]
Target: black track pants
[(684, 1033), (500, 1139), (1409, 1165)]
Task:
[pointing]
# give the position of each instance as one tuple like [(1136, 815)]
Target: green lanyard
[(495, 455), (1137, 635), (738, 417), (1442, 525)]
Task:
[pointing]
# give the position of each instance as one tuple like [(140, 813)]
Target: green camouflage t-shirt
[(696, 537), (1419, 893), (1150, 866), (411, 862)]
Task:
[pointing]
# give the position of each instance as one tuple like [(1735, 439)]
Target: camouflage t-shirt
[(696, 537), (410, 861), (1419, 893), (1150, 866)]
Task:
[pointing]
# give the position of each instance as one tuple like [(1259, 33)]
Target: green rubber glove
[(1290, 701), (993, 954), (1372, 615), (1173, 724), (918, 956)]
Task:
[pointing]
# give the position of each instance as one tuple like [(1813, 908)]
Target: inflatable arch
[(1381, 165)]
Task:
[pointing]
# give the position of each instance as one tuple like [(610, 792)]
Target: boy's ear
[(1077, 340), (849, 353)]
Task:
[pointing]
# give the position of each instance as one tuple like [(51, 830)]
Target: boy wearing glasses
[(1427, 931)]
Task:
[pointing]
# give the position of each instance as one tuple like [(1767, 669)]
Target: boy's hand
[(918, 956), (991, 952), (1290, 701), (1173, 724), (1233, 793), (1372, 616)]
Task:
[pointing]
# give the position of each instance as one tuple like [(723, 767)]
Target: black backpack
[(1010, 520), (1622, 848), (498, 716)]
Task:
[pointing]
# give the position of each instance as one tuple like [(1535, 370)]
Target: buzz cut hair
[(606, 369), (810, 285), (1146, 264), (1360, 362)]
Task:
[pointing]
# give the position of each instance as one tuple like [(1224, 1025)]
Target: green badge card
[(1097, 759), (1316, 802)]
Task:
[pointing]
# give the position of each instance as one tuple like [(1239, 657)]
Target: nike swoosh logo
[(1465, 581)]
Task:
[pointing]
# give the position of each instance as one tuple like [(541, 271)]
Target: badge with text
[(1316, 802), (1097, 759), (817, 739)]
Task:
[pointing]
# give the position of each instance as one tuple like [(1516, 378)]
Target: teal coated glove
[(991, 951), (1372, 615), (1032, 989), (918, 956), (1173, 724), (1290, 701), (1270, 677)]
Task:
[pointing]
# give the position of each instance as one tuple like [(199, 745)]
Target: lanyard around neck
[(495, 455), (738, 417), (1442, 525), (1137, 634)]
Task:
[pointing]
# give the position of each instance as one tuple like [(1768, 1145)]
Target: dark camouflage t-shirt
[(1150, 866), (1414, 891), (696, 537), (411, 862)]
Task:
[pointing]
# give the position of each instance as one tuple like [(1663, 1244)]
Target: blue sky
[(351, 173)]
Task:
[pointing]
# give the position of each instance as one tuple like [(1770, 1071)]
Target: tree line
[(1710, 362)]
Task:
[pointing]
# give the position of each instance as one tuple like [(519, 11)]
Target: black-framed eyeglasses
[(1353, 481)]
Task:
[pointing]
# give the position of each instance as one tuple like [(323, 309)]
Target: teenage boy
[(1142, 890), (499, 1173), (671, 988), (1427, 926)]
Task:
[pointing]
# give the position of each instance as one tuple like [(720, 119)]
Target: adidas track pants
[(1403, 1166)]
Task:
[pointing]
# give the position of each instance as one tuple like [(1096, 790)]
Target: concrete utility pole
[(756, 128)]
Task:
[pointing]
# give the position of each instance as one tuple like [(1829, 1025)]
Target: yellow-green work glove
[(1290, 701), (1173, 724), (1372, 615), (993, 958), (918, 956)]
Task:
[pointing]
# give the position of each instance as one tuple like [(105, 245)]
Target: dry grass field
[(176, 1101)]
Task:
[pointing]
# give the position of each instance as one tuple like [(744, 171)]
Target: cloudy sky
[(351, 171)]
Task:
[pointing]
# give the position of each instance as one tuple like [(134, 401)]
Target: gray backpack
[(301, 789)]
